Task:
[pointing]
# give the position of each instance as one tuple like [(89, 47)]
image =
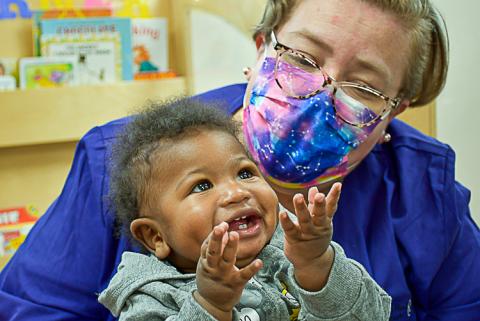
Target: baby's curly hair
[(156, 126)]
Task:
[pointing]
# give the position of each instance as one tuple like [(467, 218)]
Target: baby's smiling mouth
[(246, 225)]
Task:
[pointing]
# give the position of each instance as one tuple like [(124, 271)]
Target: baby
[(184, 187)]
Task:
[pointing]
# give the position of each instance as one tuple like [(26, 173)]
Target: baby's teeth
[(242, 226)]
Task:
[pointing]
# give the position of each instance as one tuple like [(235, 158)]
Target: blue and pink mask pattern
[(297, 143)]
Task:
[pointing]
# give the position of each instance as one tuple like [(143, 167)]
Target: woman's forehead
[(356, 33)]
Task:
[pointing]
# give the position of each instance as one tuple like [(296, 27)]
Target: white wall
[(458, 108), (220, 52)]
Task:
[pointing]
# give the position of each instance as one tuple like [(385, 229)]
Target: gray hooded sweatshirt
[(145, 288)]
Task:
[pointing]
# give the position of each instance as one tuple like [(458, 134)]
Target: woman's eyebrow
[(311, 37), (379, 70)]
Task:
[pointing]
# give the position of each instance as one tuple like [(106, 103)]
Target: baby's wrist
[(216, 312), (314, 276)]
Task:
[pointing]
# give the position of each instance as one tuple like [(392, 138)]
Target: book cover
[(7, 82), (8, 73), (8, 66), (150, 45), (39, 15), (89, 26), (15, 223), (98, 55), (44, 72)]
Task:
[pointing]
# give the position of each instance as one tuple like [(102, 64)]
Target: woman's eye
[(201, 187), (245, 174)]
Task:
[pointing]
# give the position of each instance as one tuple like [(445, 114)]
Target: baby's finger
[(332, 199), (203, 248), (319, 217), (230, 251), (214, 248), (303, 214), (250, 270), (289, 228), (311, 194)]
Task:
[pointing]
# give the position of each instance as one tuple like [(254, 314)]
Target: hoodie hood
[(134, 272)]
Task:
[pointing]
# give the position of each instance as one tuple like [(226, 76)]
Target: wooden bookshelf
[(55, 115), (39, 128)]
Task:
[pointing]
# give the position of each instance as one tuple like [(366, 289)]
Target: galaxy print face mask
[(297, 143)]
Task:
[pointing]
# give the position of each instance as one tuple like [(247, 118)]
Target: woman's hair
[(428, 63), (135, 153)]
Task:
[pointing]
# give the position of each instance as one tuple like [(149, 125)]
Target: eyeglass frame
[(391, 103)]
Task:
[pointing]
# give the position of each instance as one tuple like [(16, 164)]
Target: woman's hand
[(219, 282), (307, 242)]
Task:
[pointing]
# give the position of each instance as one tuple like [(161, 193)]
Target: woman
[(321, 100)]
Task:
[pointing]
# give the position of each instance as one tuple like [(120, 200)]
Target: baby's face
[(208, 179)]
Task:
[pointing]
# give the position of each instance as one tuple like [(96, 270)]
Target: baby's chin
[(245, 258), (241, 263)]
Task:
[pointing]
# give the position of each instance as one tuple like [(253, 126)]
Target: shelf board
[(53, 115)]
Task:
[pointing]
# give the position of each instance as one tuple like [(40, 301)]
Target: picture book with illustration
[(93, 28), (150, 46), (15, 223), (98, 55), (8, 73), (39, 15), (47, 72)]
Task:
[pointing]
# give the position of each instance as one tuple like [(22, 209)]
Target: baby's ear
[(148, 232)]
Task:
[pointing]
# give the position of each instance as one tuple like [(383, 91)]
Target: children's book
[(8, 66), (150, 46), (8, 73), (42, 72), (98, 55), (15, 223), (7, 82), (39, 15), (95, 27)]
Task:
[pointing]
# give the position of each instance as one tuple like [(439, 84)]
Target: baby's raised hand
[(219, 282), (307, 241)]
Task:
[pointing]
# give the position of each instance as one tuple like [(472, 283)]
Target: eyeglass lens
[(299, 77)]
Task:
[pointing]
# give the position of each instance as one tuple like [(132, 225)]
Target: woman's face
[(353, 41)]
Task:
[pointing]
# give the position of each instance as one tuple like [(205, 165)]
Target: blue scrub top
[(401, 214)]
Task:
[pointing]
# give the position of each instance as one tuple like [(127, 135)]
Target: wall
[(218, 59), (458, 110)]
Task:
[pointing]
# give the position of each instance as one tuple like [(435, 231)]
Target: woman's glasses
[(300, 77)]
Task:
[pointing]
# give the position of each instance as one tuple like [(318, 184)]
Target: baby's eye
[(245, 174), (202, 186)]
